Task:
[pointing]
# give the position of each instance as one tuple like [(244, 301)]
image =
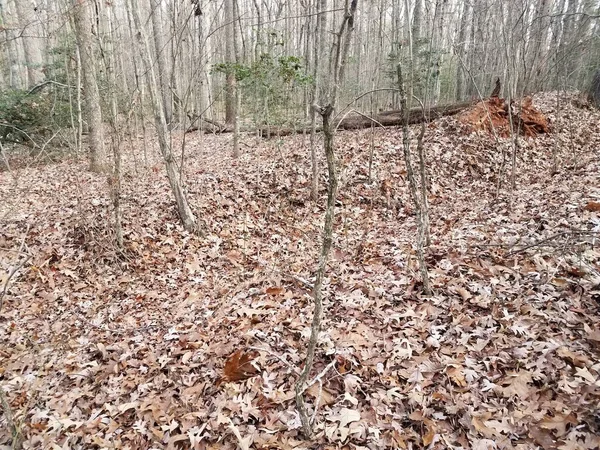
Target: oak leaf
[(592, 206), (346, 416), (239, 366), (275, 290)]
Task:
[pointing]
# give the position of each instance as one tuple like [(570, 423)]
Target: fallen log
[(208, 125), (385, 118), (394, 117), (354, 122)]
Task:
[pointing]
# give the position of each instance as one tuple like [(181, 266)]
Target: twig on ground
[(280, 358), (317, 403), (297, 371), (360, 114), (301, 280), (12, 425), (320, 375), (551, 238), (14, 269)]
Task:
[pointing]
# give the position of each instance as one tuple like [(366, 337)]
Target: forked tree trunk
[(183, 208)]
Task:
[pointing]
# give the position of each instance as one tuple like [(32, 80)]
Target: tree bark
[(92, 111), (461, 51), (594, 90), (230, 100), (13, 76), (115, 178), (237, 94), (31, 42), (538, 42), (319, 43), (161, 59)]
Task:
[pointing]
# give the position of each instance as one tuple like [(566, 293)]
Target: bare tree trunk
[(31, 41), (568, 41), (185, 212), (230, 101), (461, 45), (421, 205), (538, 41), (258, 44), (416, 83), (92, 110), (237, 94), (78, 86), (417, 20), (203, 73), (13, 70), (161, 59), (319, 43), (114, 179), (343, 39), (593, 91), (412, 183)]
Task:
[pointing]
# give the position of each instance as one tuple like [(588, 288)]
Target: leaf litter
[(195, 342)]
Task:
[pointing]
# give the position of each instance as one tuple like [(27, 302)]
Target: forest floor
[(133, 350)]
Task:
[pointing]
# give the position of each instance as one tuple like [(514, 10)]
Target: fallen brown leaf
[(239, 366)]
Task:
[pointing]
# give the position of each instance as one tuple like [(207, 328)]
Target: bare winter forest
[(313, 224)]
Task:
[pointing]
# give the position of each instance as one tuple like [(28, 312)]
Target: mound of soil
[(492, 115)]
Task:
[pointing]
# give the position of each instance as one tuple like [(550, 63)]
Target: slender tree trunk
[(343, 39), (92, 111), (115, 178), (538, 41), (319, 43), (237, 94), (230, 101), (13, 69), (258, 45), (31, 41), (79, 137), (185, 212), (411, 53), (161, 59), (461, 45), (416, 44), (412, 183)]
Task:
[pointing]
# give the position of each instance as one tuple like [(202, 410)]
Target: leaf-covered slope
[(135, 351)]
